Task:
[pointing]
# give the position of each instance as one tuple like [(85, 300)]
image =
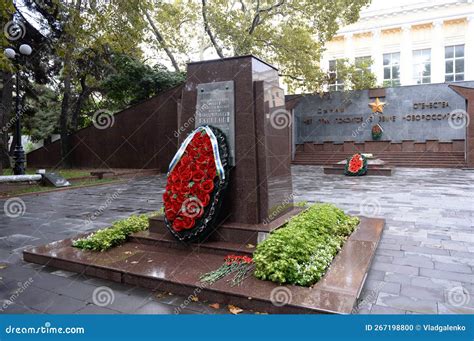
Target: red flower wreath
[(190, 184), (356, 165)]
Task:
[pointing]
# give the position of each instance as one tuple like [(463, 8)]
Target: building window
[(363, 63), (335, 84), (391, 69), (422, 66), (454, 59)]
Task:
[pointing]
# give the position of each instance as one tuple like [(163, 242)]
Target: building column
[(406, 57), (377, 56), (349, 47), (469, 50), (437, 53)]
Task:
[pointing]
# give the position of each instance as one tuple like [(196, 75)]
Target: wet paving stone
[(427, 247)]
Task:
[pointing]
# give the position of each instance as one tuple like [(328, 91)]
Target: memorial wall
[(418, 113)]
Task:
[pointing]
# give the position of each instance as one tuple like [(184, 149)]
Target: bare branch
[(162, 42), (257, 18), (291, 76), (209, 32)]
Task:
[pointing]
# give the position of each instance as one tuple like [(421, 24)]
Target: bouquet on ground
[(240, 266)]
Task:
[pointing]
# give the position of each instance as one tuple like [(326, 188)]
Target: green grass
[(301, 251), (117, 234), (65, 173), (38, 188)]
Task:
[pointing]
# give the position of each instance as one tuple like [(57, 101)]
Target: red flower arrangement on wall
[(356, 165), (193, 185), (377, 132)]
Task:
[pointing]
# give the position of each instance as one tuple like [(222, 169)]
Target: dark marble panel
[(252, 190)]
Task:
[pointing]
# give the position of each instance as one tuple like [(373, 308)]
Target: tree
[(41, 115), (83, 35), (135, 81), (6, 93), (288, 33), (354, 76), (171, 27)]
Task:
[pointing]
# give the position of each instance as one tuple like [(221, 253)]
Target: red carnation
[(204, 198), (211, 169), (174, 176), (193, 153), (187, 175), (170, 214), (188, 223), (186, 160), (176, 188), (198, 175), (193, 167), (207, 186), (178, 225)]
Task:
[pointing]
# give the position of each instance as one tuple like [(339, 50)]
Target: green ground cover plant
[(301, 251), (117, 234)]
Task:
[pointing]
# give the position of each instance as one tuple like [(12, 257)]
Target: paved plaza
[(424, 262)]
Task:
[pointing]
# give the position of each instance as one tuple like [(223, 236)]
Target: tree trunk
[(64, 116), (85, 92), (162, 42), (208, 30), (67, 69), (5, 114)]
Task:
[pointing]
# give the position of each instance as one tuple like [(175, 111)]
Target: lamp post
[(18, 152)]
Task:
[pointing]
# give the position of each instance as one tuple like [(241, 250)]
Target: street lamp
[(18, 153)]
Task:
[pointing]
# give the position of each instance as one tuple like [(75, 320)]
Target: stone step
[(385, 157), (216, 247), (393, 162), (158, 267), (233, 232), (389, 160), (438, 156), (408, 165), (401, 159), (384, 151)]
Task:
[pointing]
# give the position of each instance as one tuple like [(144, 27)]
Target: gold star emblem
[(377, 106)]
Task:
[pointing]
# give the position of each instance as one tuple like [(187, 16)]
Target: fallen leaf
[(128, 252), (170, 294), (215, 305), (150, 260), (134, 262), (249, 246), (3, 266), (234, 310), (194, 298), (160, 294)]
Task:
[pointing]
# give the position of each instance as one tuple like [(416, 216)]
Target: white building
[(409, 41)]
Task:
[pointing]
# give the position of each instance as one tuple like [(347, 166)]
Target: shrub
[(301, 251), (117, 234)]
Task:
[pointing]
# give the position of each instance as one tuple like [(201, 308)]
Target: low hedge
[(301, 251), (117, 234)]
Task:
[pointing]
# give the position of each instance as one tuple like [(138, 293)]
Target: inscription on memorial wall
[(215, 107), (408, 114)]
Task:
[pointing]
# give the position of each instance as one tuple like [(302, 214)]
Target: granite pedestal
[(374, 167), (157, 261)]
